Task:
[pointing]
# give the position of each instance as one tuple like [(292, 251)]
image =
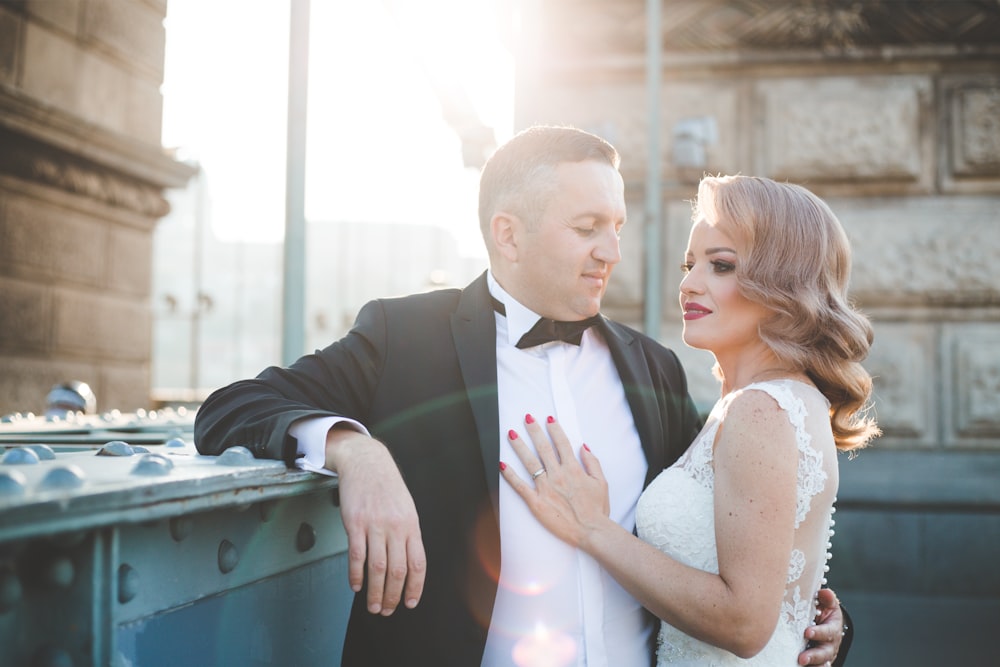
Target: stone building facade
[(82, 175), (891, 112)]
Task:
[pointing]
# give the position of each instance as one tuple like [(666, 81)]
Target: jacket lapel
[(473, 327), (640, 393)]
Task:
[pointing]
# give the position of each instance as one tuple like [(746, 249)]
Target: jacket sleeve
[(845, 643), (336, 381)]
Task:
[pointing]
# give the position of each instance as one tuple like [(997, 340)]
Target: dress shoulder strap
[(811, 475)]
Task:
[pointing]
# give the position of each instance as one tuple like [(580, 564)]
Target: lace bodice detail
[(676, 515)]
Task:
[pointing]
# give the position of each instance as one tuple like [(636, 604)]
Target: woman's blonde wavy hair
[(795, 259)]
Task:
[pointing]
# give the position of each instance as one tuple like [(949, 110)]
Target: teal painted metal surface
[(121, 553)]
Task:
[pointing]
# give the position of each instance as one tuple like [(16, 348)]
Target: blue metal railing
[(121, 545)]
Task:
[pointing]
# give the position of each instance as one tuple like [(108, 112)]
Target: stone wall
[(82, 175), (891, 112)]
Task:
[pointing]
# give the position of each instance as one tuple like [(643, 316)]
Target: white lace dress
[(675, 514)]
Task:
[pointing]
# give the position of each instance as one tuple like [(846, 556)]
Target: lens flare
[(544, 648)]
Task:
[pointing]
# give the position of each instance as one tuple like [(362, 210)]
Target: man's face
[(564, 261)]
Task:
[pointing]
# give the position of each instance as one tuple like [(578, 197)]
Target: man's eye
[(723, 267)]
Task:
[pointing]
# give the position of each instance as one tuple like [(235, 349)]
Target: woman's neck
[(741, 373)]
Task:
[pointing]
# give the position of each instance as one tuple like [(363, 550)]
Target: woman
[(735, 535)]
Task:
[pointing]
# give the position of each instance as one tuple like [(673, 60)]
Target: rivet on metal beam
[(11, 591), (128, 583), (306, 538), (181, 527), (116, 448), (62, 478), (45, 453), (153, 465), (60, 572), (229, 556), (12, 484), (235, 456), (20, 456), (175, 443), (267, 510)]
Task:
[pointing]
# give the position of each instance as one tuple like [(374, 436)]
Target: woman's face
[(717, 317)]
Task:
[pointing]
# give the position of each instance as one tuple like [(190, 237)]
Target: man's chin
[(588, 310)]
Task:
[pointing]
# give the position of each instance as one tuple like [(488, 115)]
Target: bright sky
[(378, 147)]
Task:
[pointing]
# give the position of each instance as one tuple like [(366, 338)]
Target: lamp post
[(294, 283), (654, 234)]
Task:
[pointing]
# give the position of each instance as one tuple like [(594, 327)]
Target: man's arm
[(380, 520), (376, 506)]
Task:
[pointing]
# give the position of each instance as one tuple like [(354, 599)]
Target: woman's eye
[(720, 266), (686, 267)]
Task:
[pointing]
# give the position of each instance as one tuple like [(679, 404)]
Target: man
[(437, 379)]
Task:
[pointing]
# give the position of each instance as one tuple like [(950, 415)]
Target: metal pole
[(293, 302), (196, 293), (654, 268)]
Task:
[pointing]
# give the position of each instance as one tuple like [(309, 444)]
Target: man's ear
[(504, 228)]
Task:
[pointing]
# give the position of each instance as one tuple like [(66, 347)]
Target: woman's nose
[(689, 284)]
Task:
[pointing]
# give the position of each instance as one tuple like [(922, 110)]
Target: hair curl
[(795, 259)]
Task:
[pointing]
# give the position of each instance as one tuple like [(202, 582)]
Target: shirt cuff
[(311, 434)]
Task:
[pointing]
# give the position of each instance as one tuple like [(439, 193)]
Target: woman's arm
[(755, 505)]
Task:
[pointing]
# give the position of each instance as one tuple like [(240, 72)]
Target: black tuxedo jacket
[(420, 373)]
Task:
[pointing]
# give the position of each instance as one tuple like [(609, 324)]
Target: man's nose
[(609, 249)]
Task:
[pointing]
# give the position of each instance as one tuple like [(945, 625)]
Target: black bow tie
[(547, 331)]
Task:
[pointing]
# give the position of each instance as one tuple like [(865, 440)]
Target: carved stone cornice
[(574, 30), (48, 146), (33, 162), (782, 24)]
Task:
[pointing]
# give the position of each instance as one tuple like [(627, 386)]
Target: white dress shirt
[(555, 607)]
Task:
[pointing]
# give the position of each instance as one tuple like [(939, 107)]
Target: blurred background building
[(82, 176), (890, 110)]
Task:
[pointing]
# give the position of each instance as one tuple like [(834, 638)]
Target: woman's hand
[(568, 498)]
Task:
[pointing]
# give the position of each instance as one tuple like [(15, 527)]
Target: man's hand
[(824, 637), (380, 520)]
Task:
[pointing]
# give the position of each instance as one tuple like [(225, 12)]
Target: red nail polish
[(528, 419), (551, 419), (503, 466), (586, 447), (512, 434)]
